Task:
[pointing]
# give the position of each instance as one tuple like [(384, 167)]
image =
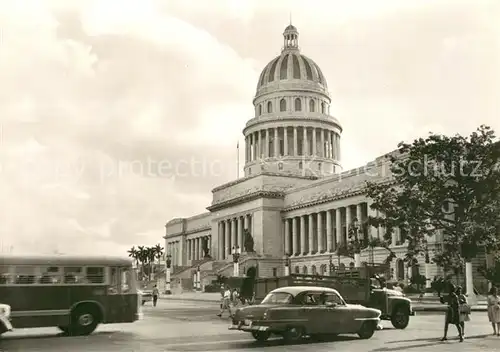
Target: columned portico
[(230, 234)]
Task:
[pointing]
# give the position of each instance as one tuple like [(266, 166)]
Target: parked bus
[(73, 293)]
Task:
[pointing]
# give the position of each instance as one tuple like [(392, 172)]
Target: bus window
[(128, 281), (25, 275), (95, 275), (5, 275), (74, 275), (114, 281), (50, 275)]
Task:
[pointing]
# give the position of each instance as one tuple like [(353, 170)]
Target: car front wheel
[(367, 330), (261, 336), (400, 318)]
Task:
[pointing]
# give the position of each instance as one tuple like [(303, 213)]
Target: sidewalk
[(418, 305)]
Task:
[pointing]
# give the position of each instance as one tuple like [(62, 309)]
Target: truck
[(358, 286)]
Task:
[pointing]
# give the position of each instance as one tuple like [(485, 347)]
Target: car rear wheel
[(293, 333), (367, 330), (261, 336), (400, 318)]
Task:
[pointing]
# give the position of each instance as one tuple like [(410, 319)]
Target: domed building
[(294, 204)]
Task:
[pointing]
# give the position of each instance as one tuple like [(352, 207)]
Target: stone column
[(332, 145), (247, 140), (234, 237), (338, 225), (197, 249), (276, 143), (240, 232), (245, 222), (295, 237), (303, 234), (193, 249), (320, 232), (227, 248), (266, 144), (256, 137), (295, 142), (285, 140), (322, 141), (329, 235), (311, 234), (314, 145), (209, 244), (372, 229), (348, 221), (288, 249), (337, 139), (305, 147)]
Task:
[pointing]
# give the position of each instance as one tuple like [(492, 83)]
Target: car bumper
[(248, 328)]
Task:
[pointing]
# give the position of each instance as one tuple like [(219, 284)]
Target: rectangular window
[(50, 275), (6, 276), (95, 275), (74, 275), (25, 275)]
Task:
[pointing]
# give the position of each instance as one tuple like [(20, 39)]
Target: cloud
[(132, 112)]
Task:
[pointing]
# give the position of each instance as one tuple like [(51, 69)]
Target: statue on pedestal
[(204, 247), (248, 241)]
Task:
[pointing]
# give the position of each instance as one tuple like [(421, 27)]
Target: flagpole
[(237, 160)]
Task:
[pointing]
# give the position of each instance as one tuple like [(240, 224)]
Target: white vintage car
[(5, 324)]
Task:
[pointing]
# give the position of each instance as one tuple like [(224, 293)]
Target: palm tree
[(132, 253), (151, 256), (158, 253), (141, 256)]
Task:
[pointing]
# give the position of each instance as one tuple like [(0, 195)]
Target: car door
[(313, 312), (337, 317)]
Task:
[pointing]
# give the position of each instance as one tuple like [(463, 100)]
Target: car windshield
[(278, 298)]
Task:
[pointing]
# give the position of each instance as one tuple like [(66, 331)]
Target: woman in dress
[(494, 310), (464, 316), (452, 313)]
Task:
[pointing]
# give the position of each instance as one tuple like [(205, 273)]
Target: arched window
[(323, 108), (300, 165), (312, 105), (282, 105), (322, 269), (304, 270), (297, 270), (342, 266), (280, 166), (298, 104), (269, 107), (351, 265), (260, 110), (313, 270)]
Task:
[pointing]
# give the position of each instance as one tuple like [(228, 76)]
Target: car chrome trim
[(363, 319)]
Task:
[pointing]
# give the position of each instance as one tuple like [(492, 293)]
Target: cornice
[(326, 199), (267, 173), (246, 198), (198, 229)]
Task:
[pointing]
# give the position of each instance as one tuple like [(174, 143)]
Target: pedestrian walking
[(156, 293), (235, 301), (494, 310), (226, 300), (452, 312), (464, 309)]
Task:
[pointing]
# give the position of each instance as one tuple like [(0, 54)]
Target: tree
[(158, 253), (132, 253), (451, 184)]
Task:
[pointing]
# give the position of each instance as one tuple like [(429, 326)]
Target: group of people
[(230, 300), (458, 311)]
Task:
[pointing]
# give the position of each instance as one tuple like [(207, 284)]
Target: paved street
[(193, 326)]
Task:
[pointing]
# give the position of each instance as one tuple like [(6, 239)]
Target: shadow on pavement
[(34, 336), (430, 343)]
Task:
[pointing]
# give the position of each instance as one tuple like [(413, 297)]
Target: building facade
[(294, 199)]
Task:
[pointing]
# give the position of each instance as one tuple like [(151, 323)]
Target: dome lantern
[(290, 38)]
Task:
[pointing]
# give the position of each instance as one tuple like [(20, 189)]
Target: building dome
[(292, 132), (291, 69)]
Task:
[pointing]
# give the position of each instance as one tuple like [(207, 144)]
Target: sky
[(117, 116)]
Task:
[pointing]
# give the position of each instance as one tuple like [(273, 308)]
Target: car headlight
[(266, 314)]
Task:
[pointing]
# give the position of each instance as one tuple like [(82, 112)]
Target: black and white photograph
[(248, 175)]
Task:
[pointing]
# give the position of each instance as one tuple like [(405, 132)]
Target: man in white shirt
[(226, 300)]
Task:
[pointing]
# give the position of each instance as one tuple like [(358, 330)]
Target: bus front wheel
[(84, 320)]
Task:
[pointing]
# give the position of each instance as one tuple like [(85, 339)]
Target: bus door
[(121, 306)]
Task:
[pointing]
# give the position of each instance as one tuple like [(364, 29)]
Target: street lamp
[(287, 264), (198, 279), (236, 252), (331, 266), (357, 256), (168, 264)]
